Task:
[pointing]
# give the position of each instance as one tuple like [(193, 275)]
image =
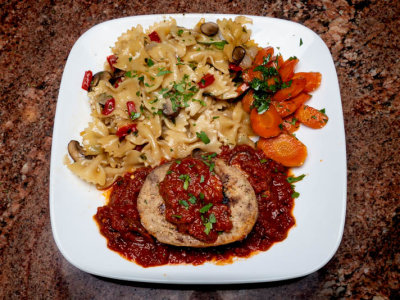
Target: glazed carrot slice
[(249, 74), (295, 88), (311, 117), (263, 53), (313, 80), (285, 149), (286, 108), (291, 124), (242, 88), (247, 101), (266, 124), (287, 69), (276, 62)]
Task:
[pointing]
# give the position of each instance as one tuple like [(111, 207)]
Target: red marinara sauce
[(193, 199), (119, 220)]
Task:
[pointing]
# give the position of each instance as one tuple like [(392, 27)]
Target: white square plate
[(319, 211)]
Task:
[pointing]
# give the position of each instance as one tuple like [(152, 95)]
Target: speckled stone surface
[(364, 38)]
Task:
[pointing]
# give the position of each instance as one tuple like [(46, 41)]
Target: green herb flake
[(295, 195), (206, 208), (184, 203), (212, 218), (202, 179), (130, 58), (280, 126), (178, 161), (323, 110), (177, 216), (186, 180), (201, 196), (192, 199), (135, 115), (301, 42), (163, 72), (150, 62), (216, 117), (208, 227), (180, 31), (295, 179), (138, 93), (263, 161), (169, 172), (203, 137)]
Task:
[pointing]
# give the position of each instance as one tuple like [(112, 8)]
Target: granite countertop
[(364, 38)]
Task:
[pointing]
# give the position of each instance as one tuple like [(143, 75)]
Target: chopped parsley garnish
[(180, 31), (130, 58), (184, 203), (206, 208), (141, 78), (200, 101), (267, 72), (149, 62), (293, 122), (209, 223), (263, 161), (177, 216), (186, 179), (295, 179), (138, 93), (292, 58), (219, 45), (130, 74), (216, 117), (135, 115), (178, 161), (295, 195), (323, 110), (211, 165), (201, 196), (179, 63), (169, 172), (280, 126), (153, 101), (203, 137), (301, 42), (286, 84), (261, 102), (202, 179), (163, 72), (192, 199)]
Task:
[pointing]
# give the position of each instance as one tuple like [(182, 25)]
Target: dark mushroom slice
[(75, 150), (168, 110), (209, 28), (117, 74), (237, 54), (104, 75)]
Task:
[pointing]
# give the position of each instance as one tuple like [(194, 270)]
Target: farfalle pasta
[(164, 93)]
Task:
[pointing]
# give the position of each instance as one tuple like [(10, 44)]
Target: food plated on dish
[(192, 136)]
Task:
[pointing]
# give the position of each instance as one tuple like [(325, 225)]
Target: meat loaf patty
[(242, 203)]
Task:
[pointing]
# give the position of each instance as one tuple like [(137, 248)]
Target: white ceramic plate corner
[(319, 211)]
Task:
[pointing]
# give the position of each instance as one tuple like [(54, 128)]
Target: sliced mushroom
[(237, 54), (117, 74), (102, 98), (104, 75), (209, 28), (75, 150), (168, 110)]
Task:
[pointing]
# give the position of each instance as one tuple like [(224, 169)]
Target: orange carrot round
[(291, 124), (287, 69), (263, 53), (286, 108), (311, 117), (266, 124), (313, 80), (285, 149), (295, 88), (247, 101)]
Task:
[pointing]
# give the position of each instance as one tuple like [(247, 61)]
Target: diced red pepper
[(234, 67), (154, 37), (131, 108), (87, 79), (125, 130), (112, 59), (116, 84), (108, 107), (206, 80), (242, 88)]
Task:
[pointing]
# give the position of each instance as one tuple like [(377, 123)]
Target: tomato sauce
[(119, 220), (193, 199)]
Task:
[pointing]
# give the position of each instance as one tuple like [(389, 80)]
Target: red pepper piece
[(154, 37), (207, 80), (112, 59), (116, 84), (131, 110), (125, 130), (234, 67), (87, 79), (108, 107), (242, 88)]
